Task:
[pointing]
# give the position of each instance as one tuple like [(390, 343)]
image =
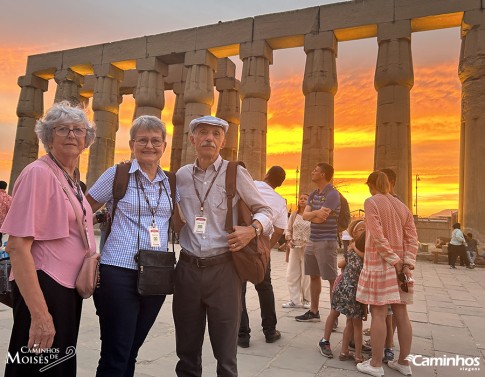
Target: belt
[(205, 262)]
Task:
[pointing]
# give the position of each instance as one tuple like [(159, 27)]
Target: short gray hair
[(148, 122), (63, 113)]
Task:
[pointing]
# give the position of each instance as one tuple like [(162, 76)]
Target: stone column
[(149, 92), (178, 120), (29, 109), (319, 87), (393, 81), (106, 101), (228, 106), (472, 169), (69, 84), (255, 92), (199, 94)]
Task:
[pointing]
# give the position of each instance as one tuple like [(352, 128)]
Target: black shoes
[(273, 336), (243, 341)]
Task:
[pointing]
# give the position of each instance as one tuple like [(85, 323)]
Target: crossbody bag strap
[(173, 187), (231, 174), (78, 219)]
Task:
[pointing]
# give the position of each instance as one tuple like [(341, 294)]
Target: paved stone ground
[(447, 318)]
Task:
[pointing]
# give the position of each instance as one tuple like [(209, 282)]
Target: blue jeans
[(125, 318)]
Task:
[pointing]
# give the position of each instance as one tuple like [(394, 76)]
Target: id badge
[(200, 224), (154, 236)]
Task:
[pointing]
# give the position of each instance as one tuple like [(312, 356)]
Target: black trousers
[(455, 251), (266, 303), (65, 308), (213, 295)]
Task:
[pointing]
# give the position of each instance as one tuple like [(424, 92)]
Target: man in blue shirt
[(322, 210)]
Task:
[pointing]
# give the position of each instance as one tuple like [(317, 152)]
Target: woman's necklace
[(73, 182)]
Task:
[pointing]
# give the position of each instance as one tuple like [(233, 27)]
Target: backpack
[(120, 184), (343, 219)]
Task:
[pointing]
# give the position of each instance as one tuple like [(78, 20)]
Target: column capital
[(324, 40), (472, 19), (152, 64), (33, 81), (393, 30), (108, 70), (200, 57), (256, 48), (68, 75), (225, 68)]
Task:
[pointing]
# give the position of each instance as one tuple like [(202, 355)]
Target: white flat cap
[(208, 119)]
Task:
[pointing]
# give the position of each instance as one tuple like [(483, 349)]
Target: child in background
[(344, 299)]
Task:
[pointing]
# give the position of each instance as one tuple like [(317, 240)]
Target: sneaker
[(324, 347), (388, 355), (403, 369), (290, 305), (308, 317), (453, 267), (273, 336), (366, 368), (306, 304)]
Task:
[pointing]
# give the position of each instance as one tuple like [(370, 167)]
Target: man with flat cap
[(207, 287)]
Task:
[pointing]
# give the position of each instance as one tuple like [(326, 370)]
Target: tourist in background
[(457, 247), (386, 278), (46, 245), (5, 201), (297, 236), (125, 316), (471, 248)]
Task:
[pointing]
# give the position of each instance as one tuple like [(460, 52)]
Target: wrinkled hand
[(240, 237), (41, 333)]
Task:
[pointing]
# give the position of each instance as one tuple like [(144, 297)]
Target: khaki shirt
[(213, 241)]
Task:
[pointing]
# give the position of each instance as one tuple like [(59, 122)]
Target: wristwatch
[(256, 229)]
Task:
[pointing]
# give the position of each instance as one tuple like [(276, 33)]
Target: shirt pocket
[(218, 198)]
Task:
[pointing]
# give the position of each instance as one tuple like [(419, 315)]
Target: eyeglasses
[(143, 141), (404, 281), (64, 131)]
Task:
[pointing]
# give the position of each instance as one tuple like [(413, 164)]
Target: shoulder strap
[(231, 174), (120, 184), (173, 186)]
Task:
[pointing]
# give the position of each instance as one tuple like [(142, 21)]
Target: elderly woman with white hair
[(46, 247), (126, 316)]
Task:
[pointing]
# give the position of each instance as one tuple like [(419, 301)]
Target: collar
[(160, 176), (214, 166)]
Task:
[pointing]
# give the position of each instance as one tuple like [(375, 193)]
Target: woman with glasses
[(125, 317), (386, 277), (47, 247)]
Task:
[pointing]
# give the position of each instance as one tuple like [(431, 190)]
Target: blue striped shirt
[(329, 198), (121, 246)]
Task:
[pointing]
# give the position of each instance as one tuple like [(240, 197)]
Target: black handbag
[(156, 269), (156, 272)]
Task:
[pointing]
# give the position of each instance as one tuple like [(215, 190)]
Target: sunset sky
[(30, 28)]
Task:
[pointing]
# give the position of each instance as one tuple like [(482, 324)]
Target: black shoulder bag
[(156, 269)]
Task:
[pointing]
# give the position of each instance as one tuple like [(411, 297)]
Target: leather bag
[(156, 272), (252, 260)]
